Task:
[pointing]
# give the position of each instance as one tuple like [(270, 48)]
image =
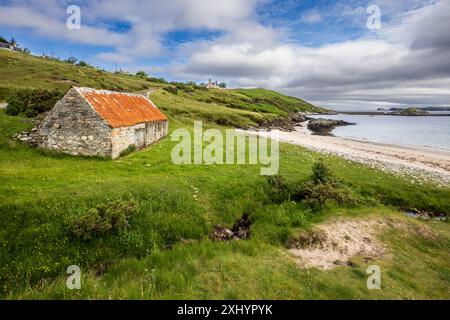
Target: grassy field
[(165, 251)]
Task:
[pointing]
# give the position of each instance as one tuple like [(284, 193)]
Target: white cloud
[(149, 19), (408, 61), (312, 17), (49, 26)]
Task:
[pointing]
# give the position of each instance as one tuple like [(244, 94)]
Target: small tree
[(71, 60), (223, 85), (142, 74), (83, 64), (3, 40), (321, 173)]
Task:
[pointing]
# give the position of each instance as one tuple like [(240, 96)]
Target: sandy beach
[(419, 165)]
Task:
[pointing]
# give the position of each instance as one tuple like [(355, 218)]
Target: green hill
[(241, 107)]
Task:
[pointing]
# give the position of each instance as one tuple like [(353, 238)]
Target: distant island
[(409, 112), (413, 111), (424, 108)]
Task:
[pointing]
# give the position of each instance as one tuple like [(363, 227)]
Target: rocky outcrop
[(286, 124), (240, 231), (324, 127)]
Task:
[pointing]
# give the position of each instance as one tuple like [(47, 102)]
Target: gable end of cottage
[(74, 127)]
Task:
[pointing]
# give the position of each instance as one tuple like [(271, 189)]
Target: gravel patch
[(335, 244)]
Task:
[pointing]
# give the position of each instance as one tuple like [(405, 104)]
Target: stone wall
[(122, 138), (73, 127)]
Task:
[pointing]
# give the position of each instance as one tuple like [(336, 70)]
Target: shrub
[(321, 172), (278, 189), (31, 102), (71, 60), (184, 87), (319, 195), (103, 219), (171, 90), (323, 189), (83, 64), (141, 74), (157, 80)]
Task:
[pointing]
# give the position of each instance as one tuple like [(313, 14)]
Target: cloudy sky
[(322, 51)]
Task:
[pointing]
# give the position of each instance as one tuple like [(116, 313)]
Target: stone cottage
[(93, 122)]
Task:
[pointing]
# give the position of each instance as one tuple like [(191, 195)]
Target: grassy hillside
[(165, 250), (225, 107), (25, 71)]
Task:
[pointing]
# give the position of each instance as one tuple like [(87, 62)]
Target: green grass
[(165, 252), (25, 71), (150, 259)]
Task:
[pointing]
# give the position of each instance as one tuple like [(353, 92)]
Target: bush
[(318, 195), (71, 60), (157, 80), (278, 189), (103, 219), (323, 189), (171, 90), (192, 84), (184, 87), (83, 64), (321, 172), (31, 102), (141, 74)]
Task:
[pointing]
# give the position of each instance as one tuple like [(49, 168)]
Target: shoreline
[(400, 146), (418, 164)]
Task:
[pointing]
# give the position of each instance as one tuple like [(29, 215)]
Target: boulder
[(324, 127), (240, 231), (221, 234)]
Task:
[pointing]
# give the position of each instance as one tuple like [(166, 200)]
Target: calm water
[(424, 132)]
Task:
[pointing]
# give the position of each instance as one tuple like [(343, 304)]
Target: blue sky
[(320, 50)]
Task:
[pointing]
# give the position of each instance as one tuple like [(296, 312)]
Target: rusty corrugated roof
[(121, 109)]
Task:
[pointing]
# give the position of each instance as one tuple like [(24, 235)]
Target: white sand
[(341, 241), (422, 165)]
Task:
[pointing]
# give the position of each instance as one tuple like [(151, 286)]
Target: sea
[(430, 132)]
